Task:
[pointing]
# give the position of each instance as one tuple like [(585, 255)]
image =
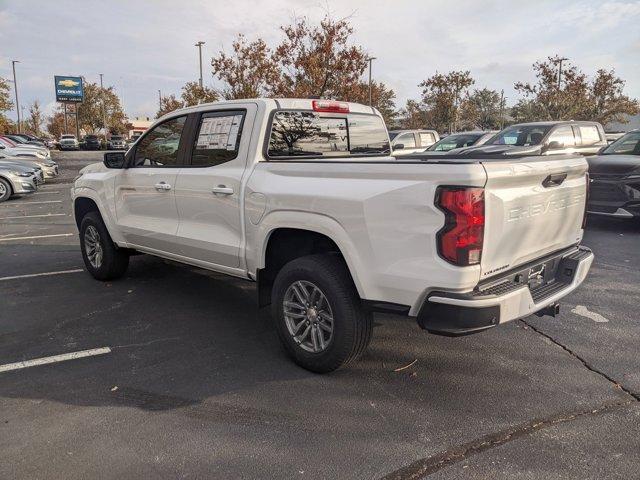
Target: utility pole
[(199, 45), (22, 109), (15, 88), (159, 100), (370, 59), (560, 71), (104, 113)]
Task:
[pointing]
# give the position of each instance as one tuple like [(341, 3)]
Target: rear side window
[(590, 134), (426, 139), (310, 134), (218, 138)]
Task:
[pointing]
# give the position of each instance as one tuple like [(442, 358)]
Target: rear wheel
[(5, 190), (103, 259), (318, 313)]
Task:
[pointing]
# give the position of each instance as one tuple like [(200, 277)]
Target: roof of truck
[(275, 103)]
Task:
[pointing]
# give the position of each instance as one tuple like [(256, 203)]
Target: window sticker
[(219, 133)]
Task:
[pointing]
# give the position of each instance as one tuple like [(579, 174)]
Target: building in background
[(139, 125)]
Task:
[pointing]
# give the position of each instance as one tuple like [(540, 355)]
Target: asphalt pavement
[(188, 380)]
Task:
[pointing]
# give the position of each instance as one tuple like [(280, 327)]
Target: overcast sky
[(143, 46)]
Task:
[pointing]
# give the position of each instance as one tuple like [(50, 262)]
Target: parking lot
[(190, 381)]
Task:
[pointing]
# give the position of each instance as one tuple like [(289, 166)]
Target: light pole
[(104, 113), (560, 60), (15, 88), (159, 99), (199, 45), (370, 59)]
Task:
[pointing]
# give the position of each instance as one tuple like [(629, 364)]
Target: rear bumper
[(508, 298)]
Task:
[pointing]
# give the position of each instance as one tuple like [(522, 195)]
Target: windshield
[(455, 141), (116, 138), (7, 142), (628, 144), (521, 135), (393, 135), (18, 139), (67, 137)]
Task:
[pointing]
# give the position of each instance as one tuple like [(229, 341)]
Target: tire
[(351, 325), (5, 190), (107, 262)]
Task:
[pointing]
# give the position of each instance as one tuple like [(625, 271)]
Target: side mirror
[(114, 160), (555, 145), (399, 146)]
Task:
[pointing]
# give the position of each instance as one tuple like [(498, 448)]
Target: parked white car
[(304, 198), (68, 142), (406, 142)]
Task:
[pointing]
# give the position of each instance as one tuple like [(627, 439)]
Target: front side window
[(520, 135), (159, 148), (218, 138), (309, 134), (628, 144), (408, 140), (564, 136), (453, 141), (590, 134)]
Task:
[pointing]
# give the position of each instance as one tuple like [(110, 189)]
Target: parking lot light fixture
[(15, 89), (199, 45)]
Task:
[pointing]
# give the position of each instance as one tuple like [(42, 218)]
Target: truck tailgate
[(533, 206)]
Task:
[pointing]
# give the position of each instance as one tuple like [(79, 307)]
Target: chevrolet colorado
[(304, 198)]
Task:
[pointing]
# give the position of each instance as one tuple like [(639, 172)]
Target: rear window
[(310, 134)]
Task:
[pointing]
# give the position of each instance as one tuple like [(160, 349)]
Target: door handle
[(222, 190), (554, 180), (162, 186)]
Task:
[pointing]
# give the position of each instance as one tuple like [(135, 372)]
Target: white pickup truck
[(303, 197)]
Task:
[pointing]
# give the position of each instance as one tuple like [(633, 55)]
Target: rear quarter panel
[(380, 214)]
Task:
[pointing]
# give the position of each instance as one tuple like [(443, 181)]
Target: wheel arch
[(86, 200), (286, 242)]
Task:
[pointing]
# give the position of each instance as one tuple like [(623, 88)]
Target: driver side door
[(145, 201)]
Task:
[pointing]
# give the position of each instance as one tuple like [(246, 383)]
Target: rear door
[(533, 206), (144, 192), (208, 192)]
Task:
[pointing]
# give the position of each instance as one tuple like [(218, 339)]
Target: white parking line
[(45, 274), (11, 204), (53, 192), (35, 216), (54, 359), (37, 236)]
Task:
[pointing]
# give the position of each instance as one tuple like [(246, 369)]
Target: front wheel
[(103, 259), (318, 313), (5, 190)]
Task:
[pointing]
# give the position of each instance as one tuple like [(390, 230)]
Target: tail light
[(460, 240), (586, 199), (330, 106)]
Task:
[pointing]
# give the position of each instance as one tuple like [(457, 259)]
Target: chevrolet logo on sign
[(68, 83), (69, 89)]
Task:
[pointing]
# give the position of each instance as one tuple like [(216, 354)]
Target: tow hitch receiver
[(551, 310)]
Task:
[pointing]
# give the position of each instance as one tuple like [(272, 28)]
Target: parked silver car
[(16, 180), (68, 142), (49, 168), (544, 138), (406, 142), (24, 163)]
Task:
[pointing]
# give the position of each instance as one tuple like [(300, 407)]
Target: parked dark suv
[(615, 178), (545, 138), (92, 142)]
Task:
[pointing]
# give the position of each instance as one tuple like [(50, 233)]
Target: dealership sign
[(69, 89)]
